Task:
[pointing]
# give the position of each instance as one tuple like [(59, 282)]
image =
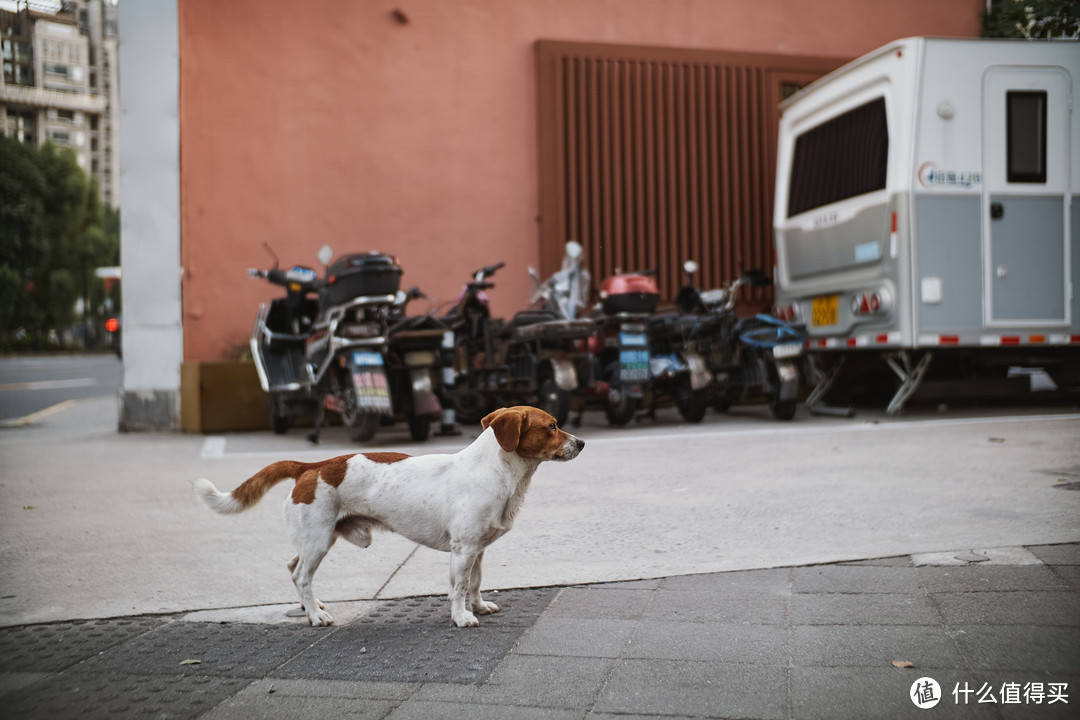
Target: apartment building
[(60, 83)]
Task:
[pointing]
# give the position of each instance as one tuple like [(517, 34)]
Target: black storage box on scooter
[(361, 274)]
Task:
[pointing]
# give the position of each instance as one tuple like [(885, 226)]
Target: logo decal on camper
[(930, 176)]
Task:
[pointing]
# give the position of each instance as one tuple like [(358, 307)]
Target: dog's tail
[(251, 491)]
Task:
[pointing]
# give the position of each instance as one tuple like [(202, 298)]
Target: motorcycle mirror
[(326, 254), (266, 246), (574, 250), (690, 266)]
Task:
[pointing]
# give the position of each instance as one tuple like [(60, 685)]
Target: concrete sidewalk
[(998, 631), (119, 593)]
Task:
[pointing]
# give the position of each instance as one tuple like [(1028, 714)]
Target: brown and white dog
[(458, 503)]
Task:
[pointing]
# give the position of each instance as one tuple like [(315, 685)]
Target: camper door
[(1025, 222)]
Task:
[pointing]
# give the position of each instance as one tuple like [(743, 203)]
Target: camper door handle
[(997, 211)]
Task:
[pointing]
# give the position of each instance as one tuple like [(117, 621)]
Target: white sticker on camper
[(867, 252), (931, 176)]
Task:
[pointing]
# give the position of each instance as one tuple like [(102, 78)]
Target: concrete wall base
[(149, 410)]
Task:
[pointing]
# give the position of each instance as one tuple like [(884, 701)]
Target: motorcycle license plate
[(823, 310), (369, 382), (633, 365)]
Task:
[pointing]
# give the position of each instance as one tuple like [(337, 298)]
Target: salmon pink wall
[(304, 123)]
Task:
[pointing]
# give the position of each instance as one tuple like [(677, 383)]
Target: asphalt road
[(33, 384)]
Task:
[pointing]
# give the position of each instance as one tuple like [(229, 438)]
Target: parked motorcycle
[(342, 344), (531, 359), (620, 346), (750, 357)]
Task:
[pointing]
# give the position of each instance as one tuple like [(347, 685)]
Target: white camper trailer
[(927, 207)]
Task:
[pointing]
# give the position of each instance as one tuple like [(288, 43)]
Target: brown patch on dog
[(303, 492), (385, 457), (332, 472), (508, 426), (252, 490)]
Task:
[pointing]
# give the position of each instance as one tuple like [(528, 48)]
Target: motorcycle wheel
[(280, 421), (782, 409), (691, 403), (727, 397), (621, 409), (363, 426), (469, 409), (554, 401), (419, 427)]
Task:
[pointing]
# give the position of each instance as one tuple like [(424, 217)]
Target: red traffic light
[(112, 324)]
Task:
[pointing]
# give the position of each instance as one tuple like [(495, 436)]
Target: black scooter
[(342, 343)]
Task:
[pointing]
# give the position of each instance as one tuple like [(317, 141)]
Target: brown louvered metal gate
[(652, 156)]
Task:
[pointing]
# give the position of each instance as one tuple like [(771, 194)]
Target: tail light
[(877, 302), (788, 312)]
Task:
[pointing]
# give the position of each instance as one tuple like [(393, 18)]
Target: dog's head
[(532, 434)]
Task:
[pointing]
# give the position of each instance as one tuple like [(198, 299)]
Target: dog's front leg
[(479, 605), (462, 560)]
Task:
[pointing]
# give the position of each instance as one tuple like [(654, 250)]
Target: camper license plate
[(823, 310)]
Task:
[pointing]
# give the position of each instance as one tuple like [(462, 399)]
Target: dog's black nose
[(580, 444)]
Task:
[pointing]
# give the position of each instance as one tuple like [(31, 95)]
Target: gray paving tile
[(1070, 574), (710, 642), (577, 637), (854, 579), (989, 578), (1057, 554), (1010, 608), (1020, 648), (775, 581), (529, 681), (282, 707), (894, 561), (718, 607), (428, 710), (695, 689), (590, 603), (647, 584), (824, 693), (861, 609), (873, 646)]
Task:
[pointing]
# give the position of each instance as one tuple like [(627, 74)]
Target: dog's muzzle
[(572, 447)]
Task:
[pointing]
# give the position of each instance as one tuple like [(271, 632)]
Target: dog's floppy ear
[(507, 426)]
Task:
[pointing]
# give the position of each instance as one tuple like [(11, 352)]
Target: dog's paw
[(320, 618), (466, 619), (485, 608)]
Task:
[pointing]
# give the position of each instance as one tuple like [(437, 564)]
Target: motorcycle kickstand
[(320, 416)]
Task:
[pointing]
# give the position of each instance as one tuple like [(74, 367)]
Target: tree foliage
[(1033, 19), (54, 232)]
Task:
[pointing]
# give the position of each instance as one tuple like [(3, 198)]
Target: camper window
[(1026, 133), (840, 158)]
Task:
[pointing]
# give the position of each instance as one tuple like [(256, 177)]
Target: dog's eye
[(552, 427)]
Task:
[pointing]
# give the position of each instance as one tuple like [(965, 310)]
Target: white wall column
[(150, 215)]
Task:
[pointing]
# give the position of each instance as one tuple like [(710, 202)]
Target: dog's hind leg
[(292, 567), (312, 544), (479, 605)]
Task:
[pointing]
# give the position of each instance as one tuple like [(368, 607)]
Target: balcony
[(41, 98)]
